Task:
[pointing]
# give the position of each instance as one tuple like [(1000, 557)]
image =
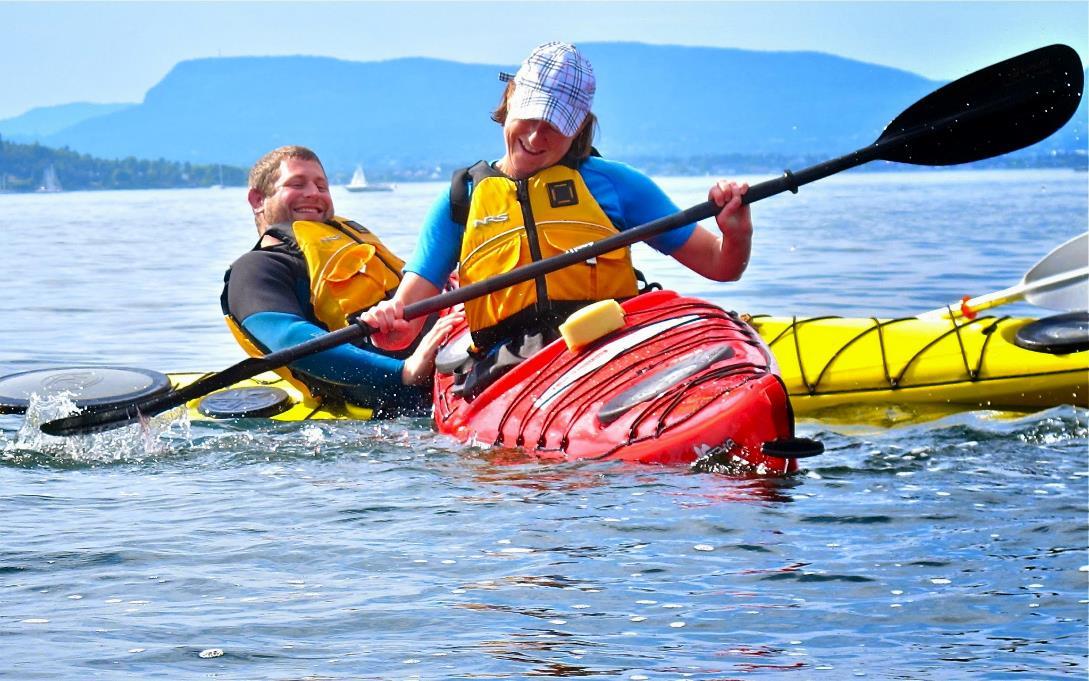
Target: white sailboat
[(50, 183), (359, 183)]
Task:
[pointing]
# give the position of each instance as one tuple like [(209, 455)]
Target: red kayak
[(682, 382)]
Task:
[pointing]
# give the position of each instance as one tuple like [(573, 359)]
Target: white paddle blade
[(1060, 281), (1047, 287)]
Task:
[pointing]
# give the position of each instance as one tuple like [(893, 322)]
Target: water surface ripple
[(953, 548)]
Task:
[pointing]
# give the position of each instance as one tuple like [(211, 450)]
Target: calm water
[(949, 549)]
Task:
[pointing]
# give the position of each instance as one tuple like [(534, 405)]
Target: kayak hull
[(831, 363), (682, 380)]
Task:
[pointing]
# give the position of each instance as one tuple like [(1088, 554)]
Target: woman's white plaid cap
[(556, 84)]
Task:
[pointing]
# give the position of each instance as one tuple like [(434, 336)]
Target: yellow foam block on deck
[(592, 322)]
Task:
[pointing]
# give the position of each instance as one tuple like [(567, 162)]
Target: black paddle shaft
[(993, 111)]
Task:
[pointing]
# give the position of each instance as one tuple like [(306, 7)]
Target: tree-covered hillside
[(22, 168)]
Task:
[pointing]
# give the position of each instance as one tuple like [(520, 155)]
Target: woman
[(548, 193)]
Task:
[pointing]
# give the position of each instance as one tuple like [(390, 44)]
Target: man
[(312, 272)]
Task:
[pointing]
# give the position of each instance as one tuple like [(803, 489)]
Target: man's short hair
[(266, 172)]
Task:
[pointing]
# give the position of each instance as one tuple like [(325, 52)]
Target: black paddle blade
[(94, 420), (996, 110), (110, 415)]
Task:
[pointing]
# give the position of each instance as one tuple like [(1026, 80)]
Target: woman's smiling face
[(532, 146)]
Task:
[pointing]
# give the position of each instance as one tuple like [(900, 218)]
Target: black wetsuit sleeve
[(268, 281)]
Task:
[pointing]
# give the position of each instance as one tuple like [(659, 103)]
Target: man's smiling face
[(301, 193)]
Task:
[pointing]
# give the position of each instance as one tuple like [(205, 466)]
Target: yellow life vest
[(350, 271), (511, 223)]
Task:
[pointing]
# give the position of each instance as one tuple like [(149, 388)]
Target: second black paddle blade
[(1004, 107), (92, 420)]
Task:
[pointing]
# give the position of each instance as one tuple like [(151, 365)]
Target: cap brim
[(563, 117)]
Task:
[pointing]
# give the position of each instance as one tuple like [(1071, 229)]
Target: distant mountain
[(48, 120), (411, 116), (698, 100), (233, 110)]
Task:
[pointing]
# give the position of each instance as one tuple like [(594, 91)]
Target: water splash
[(149, 438)]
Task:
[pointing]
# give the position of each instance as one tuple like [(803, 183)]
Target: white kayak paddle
[(1060, 281)]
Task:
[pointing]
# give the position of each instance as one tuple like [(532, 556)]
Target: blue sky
[(61, 52)]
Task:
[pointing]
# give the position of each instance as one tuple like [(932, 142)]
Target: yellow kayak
[(838, 368), (833, 363), (266, 395)]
